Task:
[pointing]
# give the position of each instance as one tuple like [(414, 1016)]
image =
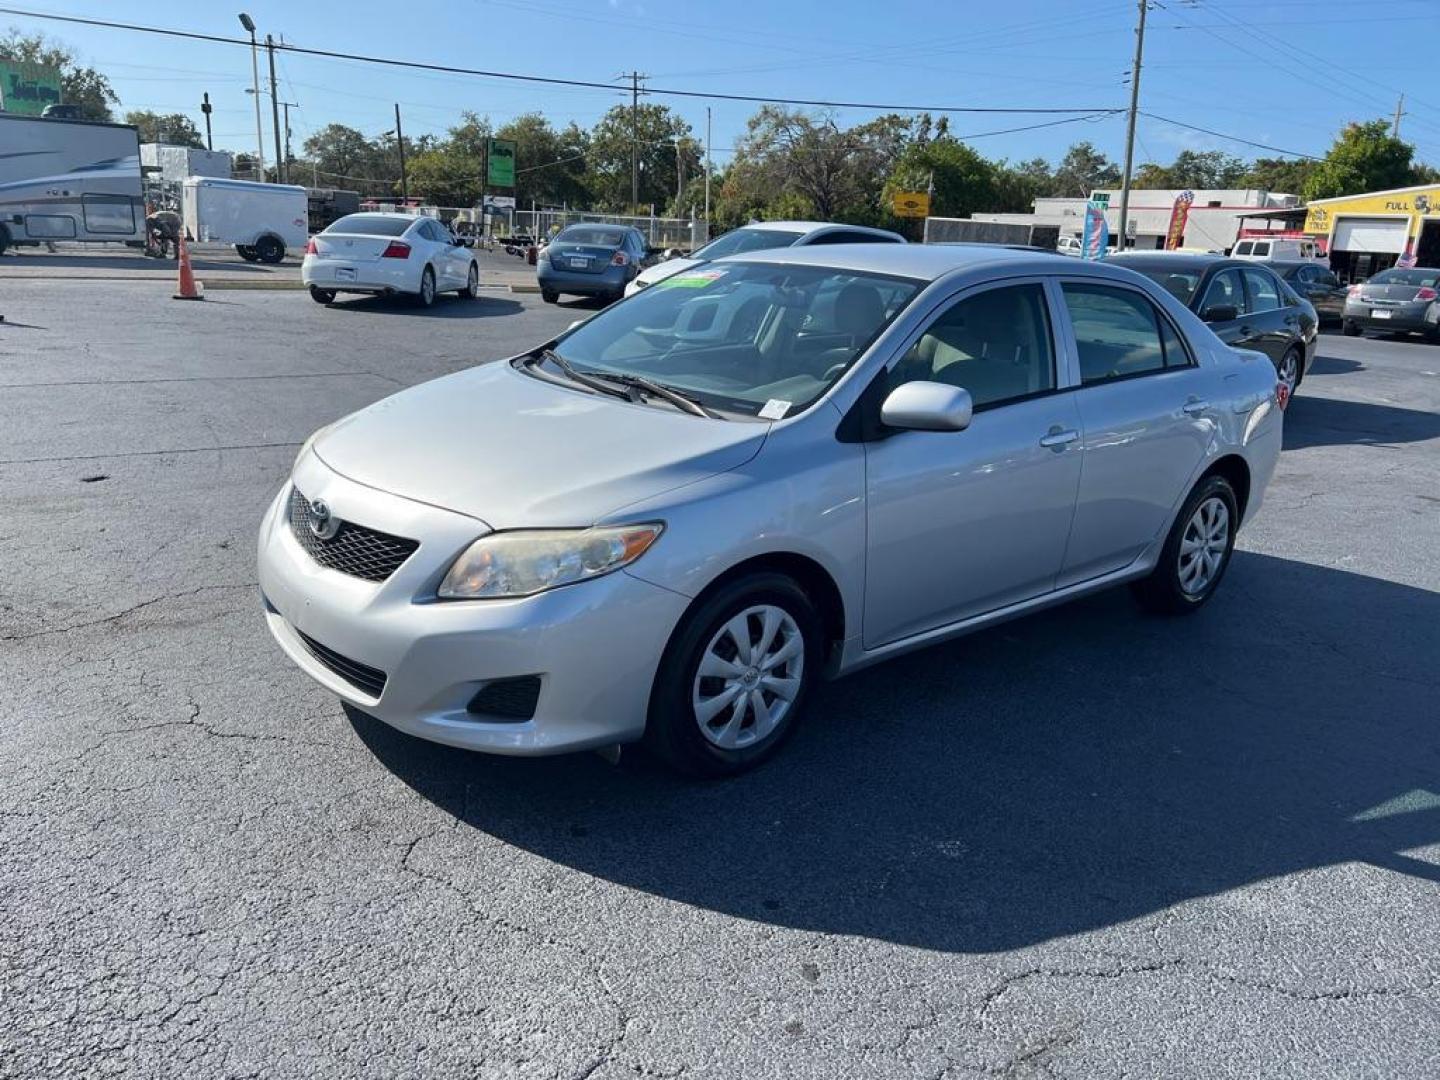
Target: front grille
[(361, 676), (354, 549), (507, 699)]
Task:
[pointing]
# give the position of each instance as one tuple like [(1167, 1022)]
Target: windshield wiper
[(584, 378), (681, 401)]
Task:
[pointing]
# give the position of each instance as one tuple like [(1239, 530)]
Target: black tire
[(673, 730), (4, 239), (268, 249), (471, 291), (549, 297), (322, 296), (1163, 592), (246, 252), (426, 296), (1348, 328)]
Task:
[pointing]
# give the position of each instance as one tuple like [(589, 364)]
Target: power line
[(551, 80), (1230, 138)]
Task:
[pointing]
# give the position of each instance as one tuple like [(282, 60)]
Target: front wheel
[(426, 296), (471, 291), (734, 678), (1348, 328), (1196, 553), (322, 296)]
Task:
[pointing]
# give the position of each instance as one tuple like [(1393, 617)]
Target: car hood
[(660, 271), (515, 451)]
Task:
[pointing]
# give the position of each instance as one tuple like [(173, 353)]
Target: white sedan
[(385, 254)]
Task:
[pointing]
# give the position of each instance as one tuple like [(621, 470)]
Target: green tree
[(1192, 169), (1019, 185), (659, 131), (549, 164), (83, 86), (177, 129), (1365, 157), (964, 180), (344, 157), (1277, 174), (1082, 170), (444, 177)]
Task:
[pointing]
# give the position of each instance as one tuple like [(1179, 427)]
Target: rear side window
[(1117, 333), (1264, 291)]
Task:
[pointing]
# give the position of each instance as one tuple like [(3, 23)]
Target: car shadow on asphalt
[(1320, 421), (1333, 365), (1056, 775), (445, 307)]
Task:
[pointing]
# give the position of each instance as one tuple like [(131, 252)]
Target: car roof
[(813, 226), (927, 262), (1175, 260)]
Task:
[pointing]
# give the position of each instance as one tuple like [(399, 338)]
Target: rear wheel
[(322, 296), (4, 239), (1348, 328), (549, 297), (471, 291), (1196, 553), (734, 678), (246, 252), (426, 296), (268, 249)]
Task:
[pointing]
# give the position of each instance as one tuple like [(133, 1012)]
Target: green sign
[(501, 172), (27, 88)]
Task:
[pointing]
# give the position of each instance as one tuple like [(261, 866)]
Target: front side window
[(1117, 332), (745, 338), (1225, 291), (1264, 294), (995, 344)]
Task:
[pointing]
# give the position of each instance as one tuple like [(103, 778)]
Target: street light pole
[(249, 24), (400, 144), (206, 109), (1130, 126), (275, 113), (707, 169)]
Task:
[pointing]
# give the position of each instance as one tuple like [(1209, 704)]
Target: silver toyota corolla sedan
[(667, 523)]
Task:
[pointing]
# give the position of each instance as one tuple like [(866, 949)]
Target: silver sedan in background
[(1396, 301), (669, 522)]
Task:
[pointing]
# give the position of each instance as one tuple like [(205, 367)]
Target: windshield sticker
[(775, 409), (697, 280)]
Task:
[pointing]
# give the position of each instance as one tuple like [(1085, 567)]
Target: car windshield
[(1179, 283), (746, 338), (370, 225), (1422, 277), (591, 234), (741, 241)]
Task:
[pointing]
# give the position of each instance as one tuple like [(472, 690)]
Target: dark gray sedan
[(590, 260), (1316, 283), (1396, 302)]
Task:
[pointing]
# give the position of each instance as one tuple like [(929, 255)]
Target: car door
[(965, 522), (1146, 415), (1223, 306), (1274, 322), (456, 256)]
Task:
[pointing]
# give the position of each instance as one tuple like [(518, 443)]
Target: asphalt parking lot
[(1086, 844)]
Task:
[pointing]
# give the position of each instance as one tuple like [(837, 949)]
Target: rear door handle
[(1195, 406), (1057, 438)]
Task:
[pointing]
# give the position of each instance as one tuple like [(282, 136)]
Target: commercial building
[(1365, 234), (1213, 223)]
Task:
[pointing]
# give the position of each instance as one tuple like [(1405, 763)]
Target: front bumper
[(1419, 318), (595, 646), (611, 281)]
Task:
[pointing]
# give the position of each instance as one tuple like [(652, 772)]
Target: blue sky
[(1284, 72)]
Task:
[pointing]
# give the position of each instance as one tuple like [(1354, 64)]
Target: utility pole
[(249, 24), (205, 108), (1399, 112), (289, 158), (634, 78), (400, 144), (275, 113), (1130, 126), (707, 170)]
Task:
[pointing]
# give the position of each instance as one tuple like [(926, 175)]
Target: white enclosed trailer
[(263, 221), (69, 180)]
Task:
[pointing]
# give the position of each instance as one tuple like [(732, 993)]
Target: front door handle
[(1057, 438), (1194, 407), (1247, 332)]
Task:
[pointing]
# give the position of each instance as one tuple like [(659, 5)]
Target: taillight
[(619, 259), (1354, 290), (310, 247), (1426, 293), (1282, 395), (396, 250)]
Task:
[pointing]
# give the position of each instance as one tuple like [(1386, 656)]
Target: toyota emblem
[(322, 524)]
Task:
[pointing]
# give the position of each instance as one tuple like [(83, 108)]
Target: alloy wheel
[(1203, 547), (749, 676), (1289, 370)]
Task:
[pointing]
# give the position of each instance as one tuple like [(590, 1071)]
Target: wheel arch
[(1236, 471)]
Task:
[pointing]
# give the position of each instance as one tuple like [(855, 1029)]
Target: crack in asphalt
[(127, 612)]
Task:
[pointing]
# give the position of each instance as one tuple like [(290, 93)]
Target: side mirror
[(927, 406), (1220, 313)]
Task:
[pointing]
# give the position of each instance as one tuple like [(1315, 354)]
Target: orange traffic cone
[(189, 288)]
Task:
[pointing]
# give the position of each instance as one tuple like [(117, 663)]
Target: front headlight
[(525, 562)]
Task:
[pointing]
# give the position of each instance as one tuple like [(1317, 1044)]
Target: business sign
[(911, 204), (1097, 231), (1179, 215), (1415, 203), (25, 88), (500, 202), (500, 171)]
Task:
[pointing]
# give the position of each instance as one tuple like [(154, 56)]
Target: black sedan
[(1315, 283), (1244, 302)]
